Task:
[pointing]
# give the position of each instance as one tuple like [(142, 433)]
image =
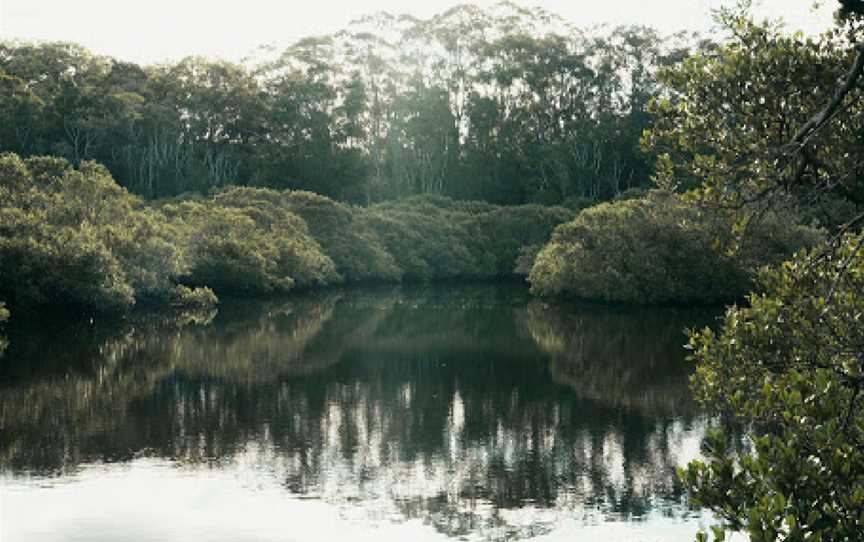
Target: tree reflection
[(628, 358), (452, 405)]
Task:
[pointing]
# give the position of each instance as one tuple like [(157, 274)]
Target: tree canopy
[(505, 104)]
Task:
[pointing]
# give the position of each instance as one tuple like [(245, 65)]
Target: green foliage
[(246, 241), (789, 366), (193, 298), (64, 267), (433, 237), (74, 238), (356, 250), (428, 246), (657, 250), (512, 232), (724, 128), (740, 128), (298, 255), (51, 246)]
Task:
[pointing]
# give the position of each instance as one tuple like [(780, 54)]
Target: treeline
[(506, 105), (72, 237)]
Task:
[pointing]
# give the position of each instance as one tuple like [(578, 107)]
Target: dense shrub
[(428, 242), (512, 232), (247, 240), (193, 298), (434, 237), (787, 367), (355, 248), (74, 238), (658, 250), (62, 266), (149, 252), (51, 250)]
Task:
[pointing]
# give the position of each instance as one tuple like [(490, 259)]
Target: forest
[(615, 165), (506, 105)]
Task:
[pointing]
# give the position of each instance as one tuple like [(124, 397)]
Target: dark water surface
[(423, 413)]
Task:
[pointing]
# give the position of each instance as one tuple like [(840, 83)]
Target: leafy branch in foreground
[(738, 127), (772, 119), (791, 367)]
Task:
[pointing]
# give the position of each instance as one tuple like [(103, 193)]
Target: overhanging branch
[(820, 119)]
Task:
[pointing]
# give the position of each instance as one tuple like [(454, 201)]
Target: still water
[(421, 413)]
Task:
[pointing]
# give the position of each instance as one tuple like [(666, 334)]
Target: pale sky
[(160, 30)]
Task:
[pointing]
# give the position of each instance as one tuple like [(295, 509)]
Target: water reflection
[(455, 406)]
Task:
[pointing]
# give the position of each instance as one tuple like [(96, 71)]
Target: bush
[(194, 298), (299, 255), (246, 241), (355, 248), (511, 232), (62, 267), (149, 253), (75, 238), (428, 242), (434, 237), (657, 250)]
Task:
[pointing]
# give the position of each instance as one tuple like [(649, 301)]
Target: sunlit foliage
[(727, 128), (747, 126), (73, 237)]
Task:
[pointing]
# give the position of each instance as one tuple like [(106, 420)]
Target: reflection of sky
[(247, 503), (376, 467), (370, 491)]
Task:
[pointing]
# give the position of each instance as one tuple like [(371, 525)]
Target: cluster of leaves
[(505, 104), (790, 367), (767, 118), (658, 249), (244, 241), (359, 254)]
